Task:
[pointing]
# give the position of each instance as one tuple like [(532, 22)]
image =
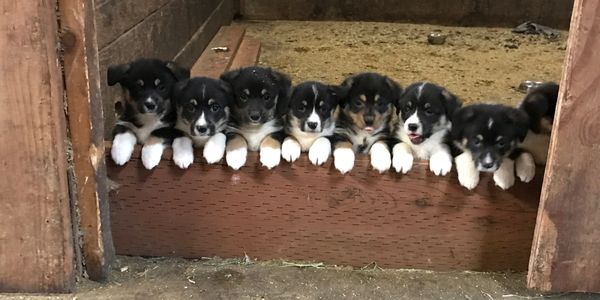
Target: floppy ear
[(179, 72), (347, 85), (285, 90), (226, 87), (230, 76), (338, 92), (178, 91), (116, 73), (521, 121), (396, 91), (460, 119), (452, 103)]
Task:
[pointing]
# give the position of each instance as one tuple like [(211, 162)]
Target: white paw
[(151, 155), (122, 147), (319, 151), (236, 158), (214, 149), (381, 159), (183, 152), (290, 150), (504, 177), (270, 157), (403, 159), (468, 175), (440, 163), (525, 167), (343, 159)]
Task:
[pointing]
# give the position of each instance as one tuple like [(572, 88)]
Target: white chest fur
[(306, 139), (363, 140), (537, 145), (254, 135), (151, 122), (200, 141), (433, 144)]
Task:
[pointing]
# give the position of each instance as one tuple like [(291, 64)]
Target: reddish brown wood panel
[(86, 128), (248, 53), (36, 243), (212, 63), (566, 252), (313, 213)]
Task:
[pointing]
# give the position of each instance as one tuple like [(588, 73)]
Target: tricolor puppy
[(148, 116), (366, 120), (311, 121), (257, 115), (425, 118), (488, 136), (202, 106)]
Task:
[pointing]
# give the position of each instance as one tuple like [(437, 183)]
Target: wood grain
[(36, 245), (86, 128), (566, 243), (313, 213), (214, 63), (247, 54)]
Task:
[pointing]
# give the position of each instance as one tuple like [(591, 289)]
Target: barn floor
[(166, 278), (478, 64)]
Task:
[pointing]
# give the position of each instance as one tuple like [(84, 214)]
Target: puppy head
[(202, 105), (261, 94), (490, 132), (148, 83), (313, 105), (370, 99), (424, 109), (540, 105)]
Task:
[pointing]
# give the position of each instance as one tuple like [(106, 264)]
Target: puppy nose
[(149, 105), (487, 165), (312, 125), (254, 116), (369, 120), (201, 129), (413, 127)]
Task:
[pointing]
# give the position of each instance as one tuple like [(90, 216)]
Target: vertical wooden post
[(566, 247), (86, 127), (36, 244)]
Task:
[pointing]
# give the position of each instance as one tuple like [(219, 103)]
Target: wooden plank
[(36, 243), (248, 53), (313, 213), (86, 128), (214, 63), (566, 255)]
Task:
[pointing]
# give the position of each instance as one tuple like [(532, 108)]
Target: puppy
[(257, 115), (148, 117), (365, 121), (202, 106), (488, 136), (425, 113), (311, 122)]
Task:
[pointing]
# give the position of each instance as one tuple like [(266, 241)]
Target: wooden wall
[(555, 13), (167, 29)]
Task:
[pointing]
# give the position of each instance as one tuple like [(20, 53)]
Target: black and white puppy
[(257, 115), (311, 121), (488, 135), (425, 118), (148, 116), (366, 120), (202, 106)]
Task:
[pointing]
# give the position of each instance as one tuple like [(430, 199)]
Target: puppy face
[(489, 132), (313, 106), (202, 106), (540, 105), (148, 83), (261, 94), (424, 109), (369, 100)]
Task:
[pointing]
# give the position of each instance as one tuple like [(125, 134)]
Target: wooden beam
[(36, 242), (86, 128), (566, 248), (213, 63), (248, 53)]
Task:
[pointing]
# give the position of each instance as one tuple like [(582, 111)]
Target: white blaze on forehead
[(203, 91), (420, 89), (490, 123), (201, 121), (316, 92)]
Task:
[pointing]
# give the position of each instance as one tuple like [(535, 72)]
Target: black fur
[(539, 104)]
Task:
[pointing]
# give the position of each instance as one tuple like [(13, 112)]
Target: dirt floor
[(167, 278), (477, 64)]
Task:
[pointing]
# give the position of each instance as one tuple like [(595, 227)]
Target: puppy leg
[(270, 152), (123, 144), (525, 166), (343, 157), (183, 152), (440, 162), (468, 175), (402, 158), (319, 151), (237, 150), (381, 159), (152, 151), (504, 177), (290, 149), (214, 149)]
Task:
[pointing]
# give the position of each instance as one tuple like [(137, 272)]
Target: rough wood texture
[(313, 213), (36, 243), (509, 13), (565, 256), (247, 54), (214, 63), (86, 127)]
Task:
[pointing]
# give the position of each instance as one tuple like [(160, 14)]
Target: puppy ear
[(230, 76), (226, 87), (179, 72), (396, 91), (461, 117), (285, 91), (521, 121), (178, 90), (452, 103), (116, 73), (338, 92)]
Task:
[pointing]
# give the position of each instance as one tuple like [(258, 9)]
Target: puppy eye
[(266, 97), (190, 107), (429, 112), (358, 103), (161, 88), (243, 97), (477, 143), (215, 107), (501, 144), (302, 108)]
